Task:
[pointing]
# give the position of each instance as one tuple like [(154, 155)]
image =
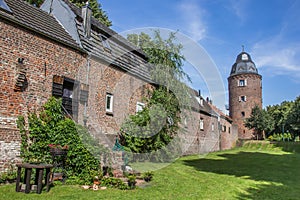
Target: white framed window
[(243, 98), (109, 102), (201, 124), (201, 101), (242, 82), (224, 128), (139, 106)]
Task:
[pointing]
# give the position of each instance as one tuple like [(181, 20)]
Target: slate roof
[(243, 64), (123, 54), (39, 21)]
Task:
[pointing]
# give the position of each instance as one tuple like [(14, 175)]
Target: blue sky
[(269, 30)]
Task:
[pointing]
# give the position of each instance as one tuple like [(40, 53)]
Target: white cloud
[(239, 8), (277, 58), (192, 16)]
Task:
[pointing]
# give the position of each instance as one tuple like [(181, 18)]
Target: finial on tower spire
[(243, 48)]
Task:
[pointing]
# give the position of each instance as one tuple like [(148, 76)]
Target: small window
[(243, 114), (139, 106), (228, 129), (201, 101), (105, 43), (243, 98), (224, 128), (201, 124), (213, 126), (109, 103), (242, 82), (65, 88)]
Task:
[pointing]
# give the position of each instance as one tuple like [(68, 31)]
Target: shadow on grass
[(280, 172)]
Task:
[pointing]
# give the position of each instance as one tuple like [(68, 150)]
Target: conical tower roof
[(243, 64)]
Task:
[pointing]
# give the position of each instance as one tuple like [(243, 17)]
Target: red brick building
[(101, 77), (245, 91)]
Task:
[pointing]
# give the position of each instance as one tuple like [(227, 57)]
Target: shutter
[(57, 86), (245, 82)]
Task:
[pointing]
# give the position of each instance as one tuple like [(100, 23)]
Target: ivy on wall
[(51, 127)]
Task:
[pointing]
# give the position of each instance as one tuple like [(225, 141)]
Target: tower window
[(243, 98), (243, 114), (242, 82)]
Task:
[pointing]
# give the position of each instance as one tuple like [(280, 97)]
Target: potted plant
[(131, 180), (148, 176), (57, 149)]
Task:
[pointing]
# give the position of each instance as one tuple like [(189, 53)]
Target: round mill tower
[(245, 91)]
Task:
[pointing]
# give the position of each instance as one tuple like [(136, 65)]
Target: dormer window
[(105, 43), (244, 56)]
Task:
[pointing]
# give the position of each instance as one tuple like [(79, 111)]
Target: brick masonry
[(45, 58), (253, 93)]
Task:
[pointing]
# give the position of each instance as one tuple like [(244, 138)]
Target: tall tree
[(280, 114), (98, 12), (154, 127), (260, 121), (293, 117)]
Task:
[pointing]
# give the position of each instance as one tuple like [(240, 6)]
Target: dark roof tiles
[(39, 21)]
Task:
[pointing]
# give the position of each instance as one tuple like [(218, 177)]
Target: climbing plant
[(51, 127)]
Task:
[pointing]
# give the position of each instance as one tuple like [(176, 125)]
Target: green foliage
[(147, 176), (286, 116), (52, 127), (293, 117), (154, 127), (98, 12), (9, 176), (113, 183), (259, 120), (280, 137)]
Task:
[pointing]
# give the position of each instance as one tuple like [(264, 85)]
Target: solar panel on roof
[(4, 6)]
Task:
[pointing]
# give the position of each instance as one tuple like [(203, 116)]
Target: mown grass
[(258, 170)]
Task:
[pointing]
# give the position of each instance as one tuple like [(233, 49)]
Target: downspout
[(85, 117)]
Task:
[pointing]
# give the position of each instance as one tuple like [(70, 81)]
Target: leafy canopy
[(154, 127)]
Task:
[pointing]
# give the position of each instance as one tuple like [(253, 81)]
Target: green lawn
[(255, 171)]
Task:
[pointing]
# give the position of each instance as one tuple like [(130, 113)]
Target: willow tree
[(153, 128)]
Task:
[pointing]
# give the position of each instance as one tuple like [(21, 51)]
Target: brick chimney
[(86, 16)]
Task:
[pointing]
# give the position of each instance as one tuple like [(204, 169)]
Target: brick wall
[(43, 58), (253, 93)]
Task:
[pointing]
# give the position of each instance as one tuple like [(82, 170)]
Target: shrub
[(52, 127)]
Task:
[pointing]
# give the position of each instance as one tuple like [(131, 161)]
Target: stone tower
[(245, 91)]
